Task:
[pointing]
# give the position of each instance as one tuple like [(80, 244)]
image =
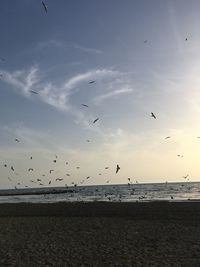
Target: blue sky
[(141, 61)]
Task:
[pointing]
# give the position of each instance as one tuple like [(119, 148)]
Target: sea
[(188, 191)]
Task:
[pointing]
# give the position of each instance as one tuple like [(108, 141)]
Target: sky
[(144, 57)]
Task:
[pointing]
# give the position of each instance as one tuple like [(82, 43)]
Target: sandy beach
[(100, 234)]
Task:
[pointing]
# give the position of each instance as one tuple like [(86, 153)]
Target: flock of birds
[(40, 181)]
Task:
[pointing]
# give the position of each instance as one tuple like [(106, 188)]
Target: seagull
[(106, 168), (152, 115), (92, 82), (30, 169), (17, 140), (167, 137), (117, 169), (88, 177), (45, 6), (12, 168), (96, 120), (84, 105), (51, 171), (59, 179), (33, 92)]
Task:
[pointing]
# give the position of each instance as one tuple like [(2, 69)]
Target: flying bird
[(12, 168), (185, 177), (5, 165), (167, 137), (84, 105), (88, 177), (31, 157), (49, 182), (106, 168), (33, 92), (186, 39), (30, 169), (45, 6), (59, 179), (78, 167), (54, 160), (152, 115), (117, 169), (88, 140), (17, 140), (92, 82), (39, 180), (181, 156), (68, 174), (67, 163), (51, 171), (96, 120)]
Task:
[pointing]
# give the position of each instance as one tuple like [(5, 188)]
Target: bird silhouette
[(54, 160), (5, 165), (17, 140), (167, 137), (185, 177), (59, 179), (12, 168), (45, 6), (96, 120), (49, 182), (84, 105), (92, 82), (117, 169), (30, 169), (33, 92), (152, 115), (31, 157), (106, 168), (51, 171), (39, 180)]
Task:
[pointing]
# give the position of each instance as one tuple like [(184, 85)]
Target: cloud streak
[(106, 96)]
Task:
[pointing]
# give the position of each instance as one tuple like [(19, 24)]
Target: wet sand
[(100, 234)]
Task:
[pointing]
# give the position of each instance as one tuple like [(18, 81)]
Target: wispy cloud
[(65, 45), (56, 95), (103, 97), (88, 49)]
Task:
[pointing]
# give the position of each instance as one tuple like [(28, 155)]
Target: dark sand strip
[(143, 210)]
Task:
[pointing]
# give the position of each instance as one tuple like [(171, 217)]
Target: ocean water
[(115, 193)]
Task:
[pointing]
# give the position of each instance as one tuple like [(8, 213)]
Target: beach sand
[(100, 234)]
